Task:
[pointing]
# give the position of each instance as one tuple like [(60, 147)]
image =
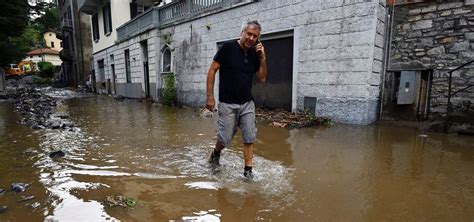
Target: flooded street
[(157, 156)]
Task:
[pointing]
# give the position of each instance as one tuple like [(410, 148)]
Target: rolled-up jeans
[(232, 116)]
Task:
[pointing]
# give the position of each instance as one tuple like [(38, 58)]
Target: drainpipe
[(80, 80), (388, 47)]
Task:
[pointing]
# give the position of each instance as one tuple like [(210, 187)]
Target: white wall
[(54, 59), (336, 57), (120, 10), (51, 37)]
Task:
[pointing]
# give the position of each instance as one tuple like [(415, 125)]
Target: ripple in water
[(56, 177)]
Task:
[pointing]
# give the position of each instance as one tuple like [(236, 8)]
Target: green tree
[(13, 20), (29, 39), (49, 18)]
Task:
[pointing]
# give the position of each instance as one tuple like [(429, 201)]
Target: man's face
[(249, 36)]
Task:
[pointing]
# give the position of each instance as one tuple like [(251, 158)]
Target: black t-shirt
[(237, 69)]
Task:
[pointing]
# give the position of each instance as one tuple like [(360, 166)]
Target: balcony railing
[(177, 11), (143, 22)]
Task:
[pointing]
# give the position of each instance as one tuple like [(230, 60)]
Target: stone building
[(430, 40), (74, 31), (323, 56)]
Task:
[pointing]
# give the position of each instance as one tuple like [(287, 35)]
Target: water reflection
[(381, 172), (156, 155)]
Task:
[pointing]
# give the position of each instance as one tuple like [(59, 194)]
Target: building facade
[(323, 56), (105, 17), (51, 41), (50, 52), (77, 46), (44, 55)]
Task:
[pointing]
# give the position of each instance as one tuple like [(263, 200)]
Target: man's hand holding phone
[(260, 49)]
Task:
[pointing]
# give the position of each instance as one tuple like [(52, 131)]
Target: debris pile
[(114, 201), (37, 109), (283, 118)]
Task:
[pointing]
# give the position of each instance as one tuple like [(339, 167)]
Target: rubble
[(113, 201), (19, 187), (285, 119), (35, 107)]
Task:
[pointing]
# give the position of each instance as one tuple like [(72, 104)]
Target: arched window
[(166, 59)]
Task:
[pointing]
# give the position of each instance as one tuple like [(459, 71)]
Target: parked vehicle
[(22, 68), (13, 70)]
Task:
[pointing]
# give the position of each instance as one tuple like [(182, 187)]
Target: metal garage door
[(276, 92)]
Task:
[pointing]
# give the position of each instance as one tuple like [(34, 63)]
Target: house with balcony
[(76, 53), (108, 64), (326, 57)]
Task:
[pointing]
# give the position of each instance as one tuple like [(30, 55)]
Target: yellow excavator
[(22, 68)]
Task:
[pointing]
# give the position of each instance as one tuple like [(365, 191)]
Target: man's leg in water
[(248, 156), (249, 134), (227, 127), (216, 154)]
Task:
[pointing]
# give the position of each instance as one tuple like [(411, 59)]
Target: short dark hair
[(246, 24)]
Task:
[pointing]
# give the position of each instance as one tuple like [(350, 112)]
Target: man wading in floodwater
[(238, 62)]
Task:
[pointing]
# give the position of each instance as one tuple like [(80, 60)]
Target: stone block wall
[(438, 36), (338, 52)]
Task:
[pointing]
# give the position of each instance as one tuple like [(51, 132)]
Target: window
[(95, 28), (107, 19), (127, 66), (52, 44), (136, 9), (166, 60)]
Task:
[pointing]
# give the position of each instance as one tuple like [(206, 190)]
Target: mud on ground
[(285, 119)]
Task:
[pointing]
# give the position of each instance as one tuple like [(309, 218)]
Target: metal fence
[(145, 21), (170, 13)]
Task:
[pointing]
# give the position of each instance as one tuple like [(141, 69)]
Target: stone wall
[(436, 36), (338, 52)]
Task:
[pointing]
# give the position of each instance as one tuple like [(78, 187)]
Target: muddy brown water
[(156, 155)]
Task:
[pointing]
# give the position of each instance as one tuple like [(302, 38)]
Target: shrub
[(46, 69), (168, 96), (40, 80)]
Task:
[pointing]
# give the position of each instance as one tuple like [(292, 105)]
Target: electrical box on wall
[(406, 89)]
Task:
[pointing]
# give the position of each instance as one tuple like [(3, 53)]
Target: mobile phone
[(256, 43)]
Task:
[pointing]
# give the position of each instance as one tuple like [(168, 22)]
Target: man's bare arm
[(211, 77), (262, 71)]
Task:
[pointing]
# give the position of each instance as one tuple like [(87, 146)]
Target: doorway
[(101, 78), (146, 70), (408, 95), (276, 93), (112, 69)]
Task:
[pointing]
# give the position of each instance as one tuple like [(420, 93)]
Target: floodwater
[(156, 155)]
